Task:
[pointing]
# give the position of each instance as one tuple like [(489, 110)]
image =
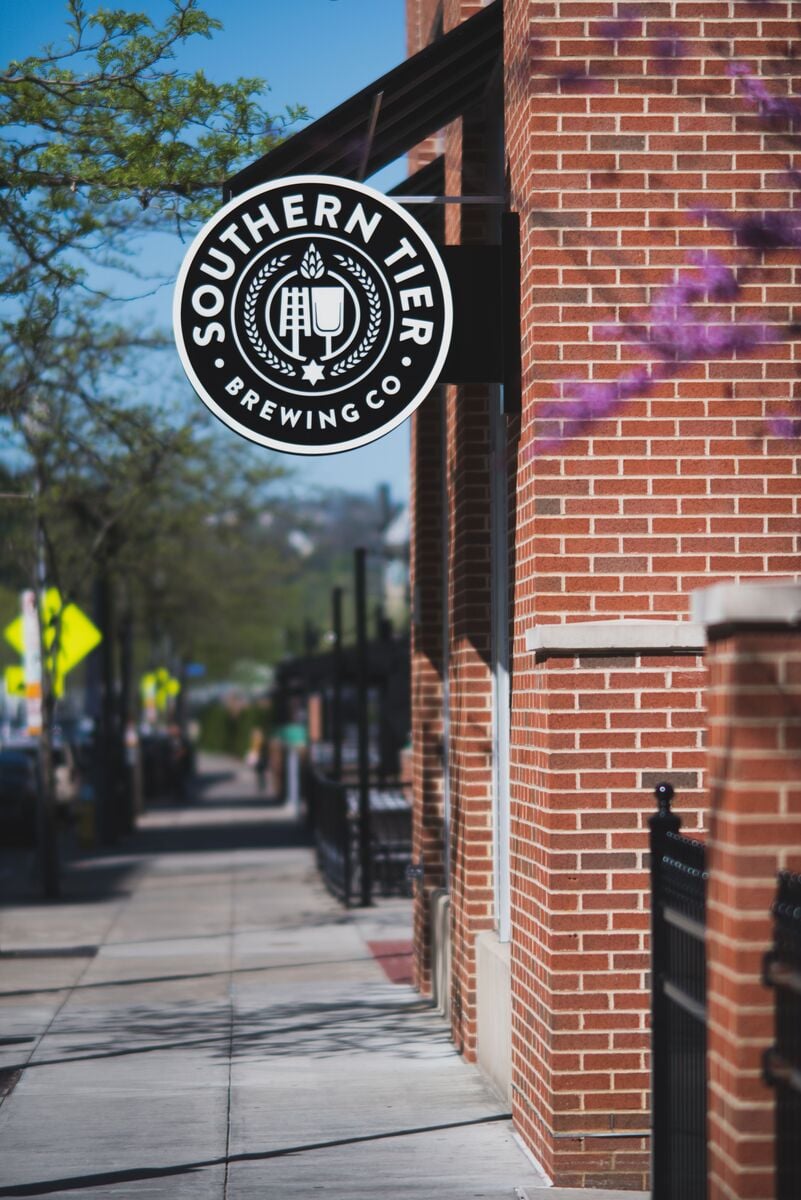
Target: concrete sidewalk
[(198, 1018)]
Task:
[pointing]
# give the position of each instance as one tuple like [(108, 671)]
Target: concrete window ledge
[(580, 638)]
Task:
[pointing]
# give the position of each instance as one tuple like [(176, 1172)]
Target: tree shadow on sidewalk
[(399, 1027)]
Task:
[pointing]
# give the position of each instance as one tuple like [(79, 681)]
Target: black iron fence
[(335, 835), (334, 815), (678, 1008), (391, 837), (783, 1059)]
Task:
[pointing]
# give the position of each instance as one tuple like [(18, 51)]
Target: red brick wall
[(755, 830), (428, 838), (470, 693), (467, 150), (600, 733), (468, 600), (679, 488), (420, 17), (676, 488), (624, 519), (427, 651)]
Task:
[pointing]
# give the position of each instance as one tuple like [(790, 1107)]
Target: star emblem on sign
[(313, 372)]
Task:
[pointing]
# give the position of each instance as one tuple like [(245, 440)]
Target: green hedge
[(229, 732)]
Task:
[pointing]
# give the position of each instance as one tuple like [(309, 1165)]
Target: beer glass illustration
[(328, 314)]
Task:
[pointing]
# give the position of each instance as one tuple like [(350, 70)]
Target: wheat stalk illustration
[(249, 315), (374, 318)]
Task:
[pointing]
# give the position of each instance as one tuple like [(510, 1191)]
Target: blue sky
[(312, 52)]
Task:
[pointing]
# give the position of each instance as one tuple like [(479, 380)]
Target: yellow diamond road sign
[(158, 687), (78, 635), (15, 681)]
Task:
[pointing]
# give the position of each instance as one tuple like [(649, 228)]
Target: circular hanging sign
[(312, 315)]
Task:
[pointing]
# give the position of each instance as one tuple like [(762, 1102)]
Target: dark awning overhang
[(389, 117), (384, 121)]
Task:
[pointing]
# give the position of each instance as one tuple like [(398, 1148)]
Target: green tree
[(103, 141)]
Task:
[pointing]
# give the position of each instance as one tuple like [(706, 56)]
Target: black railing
[(678, 1009), (783, 1059), (390, 837), (334, 814), (334, 833)]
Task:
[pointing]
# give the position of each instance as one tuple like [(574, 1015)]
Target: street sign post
[(32, 663), (78, 635)]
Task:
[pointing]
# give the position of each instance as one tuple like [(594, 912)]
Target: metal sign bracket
[(485, 286)]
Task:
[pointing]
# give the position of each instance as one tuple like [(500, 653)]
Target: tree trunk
[(47, 816)]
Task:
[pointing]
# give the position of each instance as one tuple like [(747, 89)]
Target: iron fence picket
[(783, 1059), (678, 1009), (333, 834), (333, 809)]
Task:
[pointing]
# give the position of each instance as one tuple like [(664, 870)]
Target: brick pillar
[(615, 707), (754, 831), (470, 780), (467, 144), (427, 671)]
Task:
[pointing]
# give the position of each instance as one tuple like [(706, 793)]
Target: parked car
[(18, 791), (65, 769)]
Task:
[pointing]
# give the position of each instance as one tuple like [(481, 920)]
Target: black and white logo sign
[(312, 315)]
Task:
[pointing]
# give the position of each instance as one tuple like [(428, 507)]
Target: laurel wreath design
[(249, 315), (374, 309)]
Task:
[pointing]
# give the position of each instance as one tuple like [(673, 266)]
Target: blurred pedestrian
[(257, 757)]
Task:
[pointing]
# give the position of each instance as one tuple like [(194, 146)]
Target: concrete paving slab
[(228, 1033), (582, 1194)]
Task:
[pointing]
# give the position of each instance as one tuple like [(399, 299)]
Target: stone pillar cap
[(757, 602)]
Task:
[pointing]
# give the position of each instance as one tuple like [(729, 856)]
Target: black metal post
[(662, 823), (336, 721), (387, 765), (106, 813), (127, 768), (340, 798), (360, 556)]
